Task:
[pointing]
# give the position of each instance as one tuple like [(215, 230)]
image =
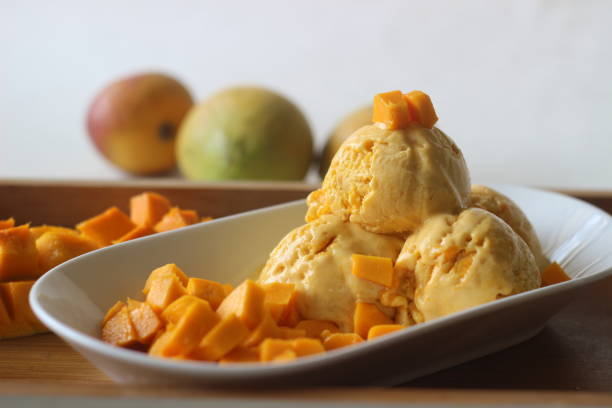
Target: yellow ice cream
[(390, 181), (457, 262), (506, 209), (316, 257)]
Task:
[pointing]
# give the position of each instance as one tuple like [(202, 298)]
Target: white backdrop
[(524, 87)]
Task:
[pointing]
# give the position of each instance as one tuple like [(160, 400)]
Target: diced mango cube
[(144, 319), (175, 218), (383, 329), (104, 228), (271, 349), (223, 338), (119, 330), (147, 209), (421, 109), (305, 347), (290, 333), (391, 109), (246, 302), (211, 291), (138, 231), (280, 301), (338, 340), (166, 270), (18, 255), (368, 315), (375, 269), (314, 328), (114, 309), (164, 290), (38, 231), (15, 297), (241, 355), (554, 273), (267, 328), (57, 246), (175, 310)]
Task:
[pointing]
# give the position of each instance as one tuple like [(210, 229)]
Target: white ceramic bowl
[(72, 298)]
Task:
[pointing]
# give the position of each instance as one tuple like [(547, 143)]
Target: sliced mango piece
[(554, 273), (119, 330), (305, 347), (383, 329), (175, 218), (280, 301), (368, 315), (241, 355), (166, 270), (138, 231), (164, 290), (314, 328), (391, 109), (271, 349), (421, 109), (144, 319), (8, 223), (57, 246), (148, 208), (223, 338), (338, 340), (267, 328), (18, 255), (175, 310), (246, 302), (39, 230), (290, 333), (114, 309), (375, 269), (211, 291), (190, 216), (104, 228), (15, 296)]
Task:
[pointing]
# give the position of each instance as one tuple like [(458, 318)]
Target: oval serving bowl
[(72, 298)]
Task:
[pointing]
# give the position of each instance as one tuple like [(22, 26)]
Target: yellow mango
[(104, 228), (166, 270), (375, 269), (421, 108), (144, 319), (383, 329), (164, 290), (391, 109), (119, 330), (18, 254), (368, 315), (338, 340), (223, 338), (246, 302), (314, 328), (56, 246), (554, 273), (211, 291)]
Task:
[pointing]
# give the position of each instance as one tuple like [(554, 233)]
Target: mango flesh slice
[(368, 315), (223, 338), (314, 328), (148, 208), (391, 109), (138, 231), (175, 310), (554, 273), (241, 355), (164, 290), (421, 108), (280, 301), (246, 302), (144, 319), (56, 246), (16, 316), (104, 228), (383, 329), (175, 218), (8, 223), (18, 254), (166, 270), (339, 340), (119, 330), (375, 269), (211, 291)]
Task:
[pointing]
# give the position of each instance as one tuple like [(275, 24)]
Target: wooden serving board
[(573, 352)]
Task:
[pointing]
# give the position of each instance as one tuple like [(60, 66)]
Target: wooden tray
[(573, 352)]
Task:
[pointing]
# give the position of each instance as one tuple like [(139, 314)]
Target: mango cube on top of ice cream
[(457, 262), (390, 181), (316, 258)]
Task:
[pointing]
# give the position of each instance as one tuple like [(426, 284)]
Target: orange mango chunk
[(246, 302), (147, 209), (271, 349), (175, 310), (166, 270), (190, 216), (38, 231), (104, 228), (164, 290), (314, 328), (197, 320), (286, 355), (367, 315), (338, 340), (375, 269), (305, 347), (223, 338), (383, 329), (159, 347), (241, 355), (266, 328), (18, 255), (15, 297), (554, 273), (114, 309), (280, 300), (211, 291), (290, 333), (391, 109), (119, 330), (144, 319), (138, 231), (421, 109), (175, 218), (8, 223), (57, 246)]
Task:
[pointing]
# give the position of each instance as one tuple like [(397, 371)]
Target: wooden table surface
[(572, 353)]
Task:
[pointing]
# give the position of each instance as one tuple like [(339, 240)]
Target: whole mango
[(133, 122), (246, 133)]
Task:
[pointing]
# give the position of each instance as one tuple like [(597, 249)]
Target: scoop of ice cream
[(457, 262), (316, 258), (390, 181), (506, 209)]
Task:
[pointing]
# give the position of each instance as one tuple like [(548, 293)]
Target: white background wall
[(523, 86)]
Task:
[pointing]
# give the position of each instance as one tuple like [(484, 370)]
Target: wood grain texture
[(573, 352)]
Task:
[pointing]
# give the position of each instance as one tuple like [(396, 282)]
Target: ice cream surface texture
[(390, 181), (457, 262), (316, 258), (506, 209)]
